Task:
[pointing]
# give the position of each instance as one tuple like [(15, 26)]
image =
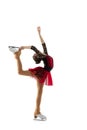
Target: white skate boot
[(40, 117), (13, 49)]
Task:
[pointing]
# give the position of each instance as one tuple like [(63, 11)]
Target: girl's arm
[(34, 49), (42, 40), (30, 47)]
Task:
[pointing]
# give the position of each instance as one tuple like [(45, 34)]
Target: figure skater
[(41, 74)]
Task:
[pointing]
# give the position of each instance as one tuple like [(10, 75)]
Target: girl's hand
[(22, 48), (39, 29)]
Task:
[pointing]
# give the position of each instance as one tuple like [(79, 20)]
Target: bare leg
[(39, 85), (38, 99), (19, 65)]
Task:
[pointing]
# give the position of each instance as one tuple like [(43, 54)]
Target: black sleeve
[(35, 49), (44, 48), (38, 52)]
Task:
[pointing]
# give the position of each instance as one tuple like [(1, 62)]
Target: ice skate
[(40, 117), (13, 49)]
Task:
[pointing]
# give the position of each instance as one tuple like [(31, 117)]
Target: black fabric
[(43, 57), (44, 48)]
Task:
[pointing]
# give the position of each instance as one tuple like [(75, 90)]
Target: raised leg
[(19, 65)]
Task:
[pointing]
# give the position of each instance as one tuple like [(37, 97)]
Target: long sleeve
[(35, 49), (44, 48), (38, 52)]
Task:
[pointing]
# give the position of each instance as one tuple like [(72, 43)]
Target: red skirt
[(43, 75)]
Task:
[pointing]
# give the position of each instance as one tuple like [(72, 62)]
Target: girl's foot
[(40, 117), (13, 49)]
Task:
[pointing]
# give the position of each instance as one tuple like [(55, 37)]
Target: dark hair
[(36, 58)]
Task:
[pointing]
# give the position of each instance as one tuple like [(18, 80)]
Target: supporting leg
[(38, 99)]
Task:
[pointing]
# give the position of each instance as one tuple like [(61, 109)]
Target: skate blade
[(36, 119)]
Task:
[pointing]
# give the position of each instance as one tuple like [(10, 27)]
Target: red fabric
[(49, 80), (43, 75), (50, 61)]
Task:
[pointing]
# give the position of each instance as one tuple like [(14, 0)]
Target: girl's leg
[(38, 98), (39, 85), (19, 65)]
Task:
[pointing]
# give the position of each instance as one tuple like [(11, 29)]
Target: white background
[(64, 28)]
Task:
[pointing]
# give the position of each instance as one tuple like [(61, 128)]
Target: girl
[(41, 74)]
